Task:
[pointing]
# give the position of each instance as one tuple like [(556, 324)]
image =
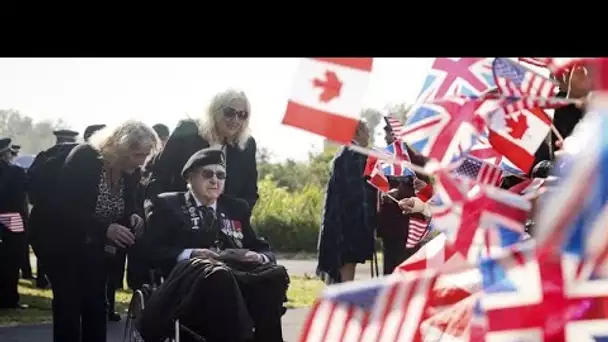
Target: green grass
[(302, 293), (39, 302)]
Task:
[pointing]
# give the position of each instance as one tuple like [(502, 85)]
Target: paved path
[(292, 322), (308, 267)]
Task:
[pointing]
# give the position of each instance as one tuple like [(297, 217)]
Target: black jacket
[(184, 142), (171, 229), (60, 228)]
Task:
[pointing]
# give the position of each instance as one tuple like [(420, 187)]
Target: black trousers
[(393, 248), (79, 298), (25, 265), (115, 266), (9, 270), (41, 276)]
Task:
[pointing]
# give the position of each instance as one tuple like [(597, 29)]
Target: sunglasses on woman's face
[(230, 113), (208, 174)]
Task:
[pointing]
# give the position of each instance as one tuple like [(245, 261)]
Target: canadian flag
[(518, 135), (327, 96)]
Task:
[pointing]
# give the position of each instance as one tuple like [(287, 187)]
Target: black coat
[(62, 227), (171, 229), (184, 142)]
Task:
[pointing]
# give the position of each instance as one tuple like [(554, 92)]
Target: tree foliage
[(400, 111), (33, 136)]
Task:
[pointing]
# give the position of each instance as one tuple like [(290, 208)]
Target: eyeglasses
[(208, 174), (230, 113)]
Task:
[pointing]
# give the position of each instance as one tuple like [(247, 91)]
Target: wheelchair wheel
[(136, 307)]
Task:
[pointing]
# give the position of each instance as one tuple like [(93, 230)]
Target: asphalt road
[(292, 321)]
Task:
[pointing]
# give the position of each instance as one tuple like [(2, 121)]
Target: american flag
[(418, 230), (542, 62), (385, 309), (12, 221), (396, 126), (480, 171), (516, 81)]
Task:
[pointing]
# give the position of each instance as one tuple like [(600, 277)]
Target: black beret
[(90, 130), (5, 144), (207, 156)]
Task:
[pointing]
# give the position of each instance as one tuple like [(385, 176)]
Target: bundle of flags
[(483, 278)]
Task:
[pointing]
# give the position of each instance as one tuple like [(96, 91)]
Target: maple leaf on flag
[(331, 86), (334, 110), (518, 126)]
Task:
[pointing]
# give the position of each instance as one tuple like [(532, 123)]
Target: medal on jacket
[(194, 217), (232, 229)]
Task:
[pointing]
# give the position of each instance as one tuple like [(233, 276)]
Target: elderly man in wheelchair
[(222, 282)]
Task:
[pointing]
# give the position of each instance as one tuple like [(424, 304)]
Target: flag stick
[(389, 158)]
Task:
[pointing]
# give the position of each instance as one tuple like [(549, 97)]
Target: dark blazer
[(170, 229), (565, 118), (184, 142), (69, 225)]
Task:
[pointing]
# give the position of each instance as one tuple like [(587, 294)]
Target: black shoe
[(114, 317)]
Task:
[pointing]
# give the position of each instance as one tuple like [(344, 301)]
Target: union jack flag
[(569, 215), (385, 309), (457, 77), (444, 130), (397, 150), (530, 299), (12, 221), (488, 216)]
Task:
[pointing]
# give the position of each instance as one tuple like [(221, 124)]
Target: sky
[(84, 91)]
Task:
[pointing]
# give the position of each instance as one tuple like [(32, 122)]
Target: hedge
[(290, 221)]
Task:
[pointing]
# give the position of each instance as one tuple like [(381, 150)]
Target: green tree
[(31, 135), (400, 111), (373, 118)]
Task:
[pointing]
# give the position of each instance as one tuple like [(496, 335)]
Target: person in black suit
[(63, 137), (225, 126), (94, 214), (202, 223), (13, 215)]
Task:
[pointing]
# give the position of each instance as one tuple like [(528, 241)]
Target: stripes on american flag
[(513, 79), (12, 221), (418, 230), (396, 126), (480, 171), (385, 309), (542, 62)]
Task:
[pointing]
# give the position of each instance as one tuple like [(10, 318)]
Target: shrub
[(290, 221)]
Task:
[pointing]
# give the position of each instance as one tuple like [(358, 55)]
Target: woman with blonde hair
[(94, 213), (225, 125)]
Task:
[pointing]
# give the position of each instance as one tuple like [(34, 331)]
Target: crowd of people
[(176, 207)]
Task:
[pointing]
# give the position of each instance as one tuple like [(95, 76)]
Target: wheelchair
[(136, 309)]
